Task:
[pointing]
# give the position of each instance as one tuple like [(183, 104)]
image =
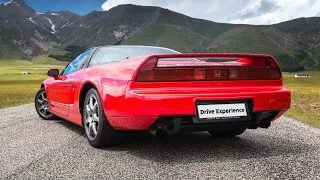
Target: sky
[(234, 11), (226, 11)]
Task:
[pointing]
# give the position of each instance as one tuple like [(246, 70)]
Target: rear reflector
[(211, 69)]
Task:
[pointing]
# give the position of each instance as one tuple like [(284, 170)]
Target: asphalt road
[(31, 148)]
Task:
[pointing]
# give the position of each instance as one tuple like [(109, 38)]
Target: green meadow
[(305, 94), (17, 89)]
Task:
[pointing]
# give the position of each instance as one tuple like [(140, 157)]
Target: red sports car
[(114, 88)]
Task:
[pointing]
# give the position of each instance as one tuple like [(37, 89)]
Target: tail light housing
[(261, 68)]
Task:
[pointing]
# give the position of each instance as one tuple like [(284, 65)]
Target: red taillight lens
[(166, 75), (199, 74), (254, 73), (256, 62), (273, 63)]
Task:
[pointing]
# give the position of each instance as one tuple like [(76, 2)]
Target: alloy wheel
[(43, 105), (91, 117)]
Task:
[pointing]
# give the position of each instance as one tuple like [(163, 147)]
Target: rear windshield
[(111, 54)]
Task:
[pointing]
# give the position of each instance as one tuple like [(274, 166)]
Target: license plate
[(222, 111)]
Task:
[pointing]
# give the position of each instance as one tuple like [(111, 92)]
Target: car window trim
[(91, 56)]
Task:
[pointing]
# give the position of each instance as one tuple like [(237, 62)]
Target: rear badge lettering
[(221, 111), (209, 111)]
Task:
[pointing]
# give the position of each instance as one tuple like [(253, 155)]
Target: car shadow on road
[(74, 128), (200, 146)]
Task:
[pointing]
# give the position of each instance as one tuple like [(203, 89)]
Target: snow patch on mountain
[(6, 3), (54, 14), (10, 2), (65, 25), (30, 19), (52, 25)]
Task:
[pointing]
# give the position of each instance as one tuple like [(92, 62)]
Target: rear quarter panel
[(111, 80)]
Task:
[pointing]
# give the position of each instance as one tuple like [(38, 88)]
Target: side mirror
[(53, 72)]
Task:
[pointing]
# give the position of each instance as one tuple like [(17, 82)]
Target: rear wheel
[(42, 105), (227, 133), (98, 130)]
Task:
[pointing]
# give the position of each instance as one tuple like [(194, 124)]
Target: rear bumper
[(141, 108)]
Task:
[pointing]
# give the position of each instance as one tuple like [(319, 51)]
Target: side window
[(77, 63)]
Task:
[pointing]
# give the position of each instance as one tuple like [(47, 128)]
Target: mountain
[(294, 43), (25, 33), (59, 19)]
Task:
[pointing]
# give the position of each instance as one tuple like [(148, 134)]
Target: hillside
[(294, 43)]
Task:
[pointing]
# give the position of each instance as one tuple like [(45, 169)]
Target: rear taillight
[(256, 73), (248, 69), (273, 63)]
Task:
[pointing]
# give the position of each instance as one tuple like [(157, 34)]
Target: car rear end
[(203, 92)]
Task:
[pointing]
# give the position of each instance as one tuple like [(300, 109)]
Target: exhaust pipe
[(158, 131), (265, 125)]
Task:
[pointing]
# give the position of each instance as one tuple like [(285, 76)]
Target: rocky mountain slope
[(294, 43), (25, 33)]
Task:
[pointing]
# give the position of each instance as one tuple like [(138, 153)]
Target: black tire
[(41, 105), (105, 135), (227, 133)]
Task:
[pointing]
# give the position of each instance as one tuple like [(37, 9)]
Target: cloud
[(264, 7), (233, 11)]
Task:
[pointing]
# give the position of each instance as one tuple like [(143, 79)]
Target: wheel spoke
[(95, 106), (45, 111), (41, 107), (91, 103), (42, 96), (90, 127), (94, 128), (88, 109), (95, 118), (40, 101)]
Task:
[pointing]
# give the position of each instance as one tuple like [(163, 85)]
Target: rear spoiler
[(217, 59), (210, 55)]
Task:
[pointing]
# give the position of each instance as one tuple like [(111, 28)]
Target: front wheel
[(227, 133), (42, 105), (98, 130)]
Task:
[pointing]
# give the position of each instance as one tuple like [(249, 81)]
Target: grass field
[(305, 97), (16, 89)]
